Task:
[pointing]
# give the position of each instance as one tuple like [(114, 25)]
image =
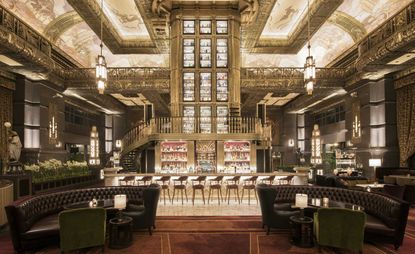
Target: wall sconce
[(316, 146), (291, 142), (118, 143), (94, 147)]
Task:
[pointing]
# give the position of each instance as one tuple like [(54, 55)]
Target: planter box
[(53, 185)]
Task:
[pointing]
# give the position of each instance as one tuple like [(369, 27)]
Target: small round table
[(302, 231), (120, 232)]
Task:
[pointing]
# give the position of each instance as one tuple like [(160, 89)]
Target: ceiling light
[(101, 65), (310, 63), (402, 59), (9, 61)]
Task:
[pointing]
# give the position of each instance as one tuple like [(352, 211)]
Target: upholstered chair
[(340, 228), (144, 217), (273, 215), (82, 228)]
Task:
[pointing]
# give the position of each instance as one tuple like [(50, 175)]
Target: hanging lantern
[(310, 63)]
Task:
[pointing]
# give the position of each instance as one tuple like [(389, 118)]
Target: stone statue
[(14, 144)]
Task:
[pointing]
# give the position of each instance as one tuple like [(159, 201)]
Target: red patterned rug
[(222, 235)]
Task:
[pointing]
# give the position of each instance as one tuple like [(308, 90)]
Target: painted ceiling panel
[(284, 17), (329, 42), (81, 43), (37, 13), (126, 18), (372, 13)]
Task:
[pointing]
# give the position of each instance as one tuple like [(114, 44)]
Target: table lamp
[(301, 201), (120, 203), (375, 163)]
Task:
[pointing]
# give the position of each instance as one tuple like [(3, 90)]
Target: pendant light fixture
[(101, 65), (310, 63)]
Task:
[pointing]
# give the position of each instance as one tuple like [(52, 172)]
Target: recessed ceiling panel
[(284, 17), (126, 18)]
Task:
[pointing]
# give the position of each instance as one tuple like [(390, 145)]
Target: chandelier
[(310, 63), (101, 64)]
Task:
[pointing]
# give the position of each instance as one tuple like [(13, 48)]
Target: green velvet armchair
[(82, 228), (340, 228)]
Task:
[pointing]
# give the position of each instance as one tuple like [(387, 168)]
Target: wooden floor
[(211, 209)]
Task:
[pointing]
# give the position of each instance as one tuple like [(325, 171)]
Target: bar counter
[(112, 179)]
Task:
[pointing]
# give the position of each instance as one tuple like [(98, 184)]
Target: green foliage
[(54, 170)]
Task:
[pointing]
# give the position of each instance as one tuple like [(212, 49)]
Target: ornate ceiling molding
[(90, 11), (349, 24), (290, 79), (61, 24), (120, 79), (389, 41), (24, 45), (320, 11)]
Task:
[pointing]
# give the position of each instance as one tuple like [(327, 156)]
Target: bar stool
[(268, 180), (232, 184), (180, 184), (285, 180), (249, 184), (165, 184), (128, 180), (145, 180), (216, 184), (198, 184)]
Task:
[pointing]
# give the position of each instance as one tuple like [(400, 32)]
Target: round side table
[(302, 231), (120, 232)]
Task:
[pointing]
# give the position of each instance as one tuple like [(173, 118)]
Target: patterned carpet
[(222, 235)]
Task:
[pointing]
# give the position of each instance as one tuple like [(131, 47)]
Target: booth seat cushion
[(374, 225), (45, 227), (282, 206)]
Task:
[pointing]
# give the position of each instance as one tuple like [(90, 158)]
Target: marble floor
[(211, 209)]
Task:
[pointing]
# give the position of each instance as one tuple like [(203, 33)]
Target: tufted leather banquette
[(386, 215), (34, 223)]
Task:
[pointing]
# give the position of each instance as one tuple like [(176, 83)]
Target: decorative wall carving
[(388, 39), (120, 79), (6, 115), (291, 79)]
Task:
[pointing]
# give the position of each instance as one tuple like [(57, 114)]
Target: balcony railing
[(194, 125)]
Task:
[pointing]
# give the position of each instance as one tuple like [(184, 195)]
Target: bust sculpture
[(14, 144)]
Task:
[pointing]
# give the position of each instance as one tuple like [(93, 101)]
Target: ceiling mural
[(372, 13), (83, 44), (284, 17), (37, 13), (126, 18), (57, 20), (323, 48), (335, 36)]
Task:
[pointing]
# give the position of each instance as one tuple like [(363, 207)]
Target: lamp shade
[(375, 162), (120, 201), (301, 200)]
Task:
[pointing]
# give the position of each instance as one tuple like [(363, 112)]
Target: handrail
[(195, 125)]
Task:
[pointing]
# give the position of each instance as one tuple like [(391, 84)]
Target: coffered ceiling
[(135, 35)]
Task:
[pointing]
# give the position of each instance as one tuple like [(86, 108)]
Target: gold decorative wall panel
[(6, 115)]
